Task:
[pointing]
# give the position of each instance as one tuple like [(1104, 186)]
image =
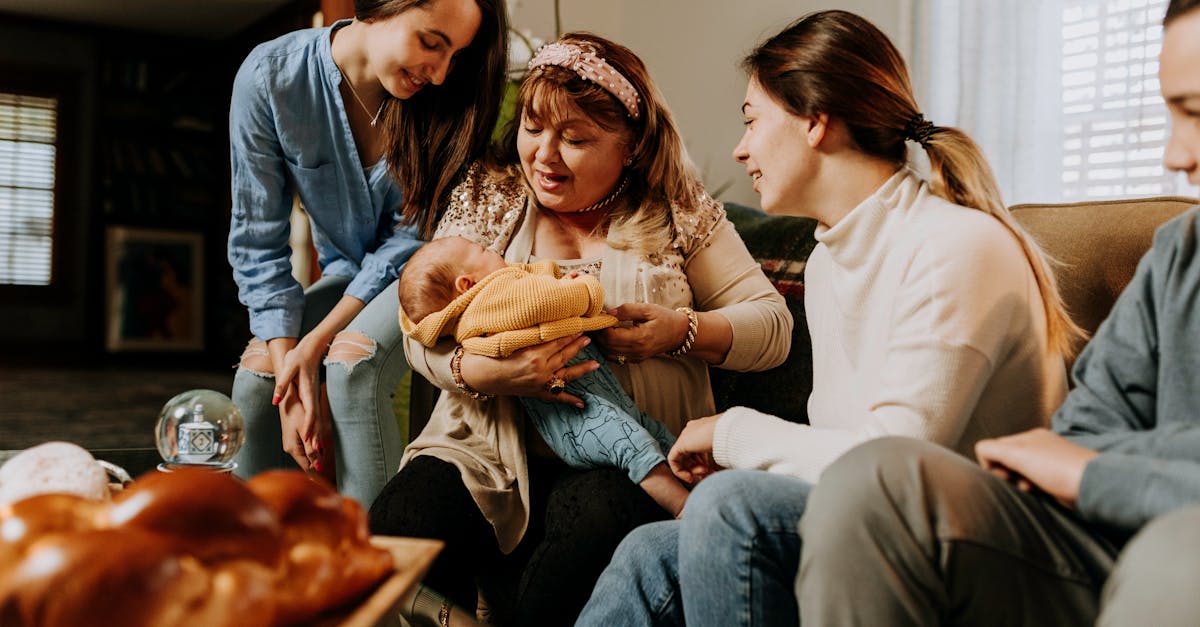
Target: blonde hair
[(841, 65), (659, 174)]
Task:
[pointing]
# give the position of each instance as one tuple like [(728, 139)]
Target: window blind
[(1115, 124), (28, 136)]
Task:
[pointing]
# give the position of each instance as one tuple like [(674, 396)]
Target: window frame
[(64, 86)]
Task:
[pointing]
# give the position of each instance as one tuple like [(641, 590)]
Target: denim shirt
[(288, 132)]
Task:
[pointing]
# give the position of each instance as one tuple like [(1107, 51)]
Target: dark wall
[(44, 48), (132, 89)]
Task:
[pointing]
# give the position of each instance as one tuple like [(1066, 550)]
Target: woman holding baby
[(593, 176)]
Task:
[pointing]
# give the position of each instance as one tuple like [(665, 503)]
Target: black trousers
[(578, 518)]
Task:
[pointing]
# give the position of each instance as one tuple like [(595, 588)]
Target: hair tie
[(918, 129), (589, 67)]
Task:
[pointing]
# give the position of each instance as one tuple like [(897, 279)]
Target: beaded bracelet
[(444, 613), (690, 338), (456, 371)]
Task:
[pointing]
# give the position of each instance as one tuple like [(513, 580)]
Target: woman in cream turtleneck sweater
[(932, 314)]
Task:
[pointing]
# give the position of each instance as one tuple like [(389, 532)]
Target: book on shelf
[(181, 164)]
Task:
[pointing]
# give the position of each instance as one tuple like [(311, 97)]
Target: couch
[(1096, 246)]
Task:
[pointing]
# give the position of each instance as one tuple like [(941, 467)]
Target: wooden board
[(412, 557)]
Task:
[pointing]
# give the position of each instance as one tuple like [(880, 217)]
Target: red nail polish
[(275, 400), (317, 465)]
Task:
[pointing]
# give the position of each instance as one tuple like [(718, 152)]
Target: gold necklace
[(354, 92), (604, 202)]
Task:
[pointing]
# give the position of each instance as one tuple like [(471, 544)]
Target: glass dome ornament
[(199, 429)]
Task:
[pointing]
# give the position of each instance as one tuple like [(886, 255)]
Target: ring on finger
[(556, 385)]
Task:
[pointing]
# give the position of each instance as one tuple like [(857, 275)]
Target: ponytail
[(961, 175)]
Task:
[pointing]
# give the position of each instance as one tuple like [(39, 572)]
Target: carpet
[(107, 408)]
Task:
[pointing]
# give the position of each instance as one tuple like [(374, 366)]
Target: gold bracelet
[(456, 372), (444, 614), (690, 338)]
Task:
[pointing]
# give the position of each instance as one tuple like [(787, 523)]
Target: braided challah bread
[(327, 557), (190, 547)]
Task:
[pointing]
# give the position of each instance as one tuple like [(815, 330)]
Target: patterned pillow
[(781, 244)]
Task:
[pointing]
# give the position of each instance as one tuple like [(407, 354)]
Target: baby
[(453, 286)]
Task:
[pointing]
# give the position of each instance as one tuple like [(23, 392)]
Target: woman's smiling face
[(417, 47), (775, 151), (570, 162)]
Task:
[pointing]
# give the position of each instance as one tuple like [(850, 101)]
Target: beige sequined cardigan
[(706, 266)]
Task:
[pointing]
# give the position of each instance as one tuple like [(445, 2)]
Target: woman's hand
[(691, 458), (291, 422), (297, 393), (314, 454), (527, 372), (647, 330)]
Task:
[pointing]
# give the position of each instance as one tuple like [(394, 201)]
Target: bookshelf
[(162, 173), (160, 139), (160, 157)]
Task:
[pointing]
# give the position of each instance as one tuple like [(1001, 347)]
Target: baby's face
[(479, 261)]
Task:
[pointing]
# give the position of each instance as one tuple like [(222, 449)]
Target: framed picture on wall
[(155, 290)]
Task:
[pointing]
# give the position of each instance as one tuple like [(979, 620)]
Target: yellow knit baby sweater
[(515, 307)]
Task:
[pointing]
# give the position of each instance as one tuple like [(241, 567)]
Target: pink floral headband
[(590, 67)]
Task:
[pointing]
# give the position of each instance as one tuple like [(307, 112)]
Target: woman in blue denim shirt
[(345, 117)]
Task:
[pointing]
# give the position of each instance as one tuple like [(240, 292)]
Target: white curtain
[(992, 68)]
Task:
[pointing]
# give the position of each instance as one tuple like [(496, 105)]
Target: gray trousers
[(904, 532), (1157, 578)]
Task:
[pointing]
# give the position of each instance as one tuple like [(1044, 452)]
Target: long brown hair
[(659, 172), (839, 64), (430, 138)]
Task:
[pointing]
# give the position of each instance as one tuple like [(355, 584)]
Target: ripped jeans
[(364, 365)]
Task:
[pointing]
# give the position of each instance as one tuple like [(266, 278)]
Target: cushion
[(781, 244)]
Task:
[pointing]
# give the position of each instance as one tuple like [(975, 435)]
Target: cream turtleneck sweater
[(926, 321)]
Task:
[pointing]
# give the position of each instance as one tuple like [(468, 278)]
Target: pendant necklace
[(354, 92)]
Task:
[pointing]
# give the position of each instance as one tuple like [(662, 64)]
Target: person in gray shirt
[(1095, 522)]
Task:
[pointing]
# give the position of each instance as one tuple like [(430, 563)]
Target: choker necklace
[(607, 199), (354, 92)]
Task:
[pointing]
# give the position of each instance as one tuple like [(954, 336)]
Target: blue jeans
[(609, 432), (731, 560), (367, 439)]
